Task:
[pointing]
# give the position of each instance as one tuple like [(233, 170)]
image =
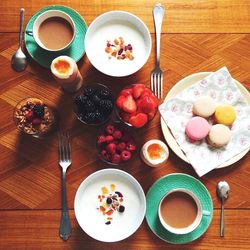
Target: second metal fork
[(156, 84), (64, 161)]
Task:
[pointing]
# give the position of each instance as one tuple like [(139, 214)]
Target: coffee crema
[(178, 209), (55, 33)]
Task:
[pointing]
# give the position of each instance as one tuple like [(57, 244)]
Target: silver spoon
[(223, 192), (19, 60)]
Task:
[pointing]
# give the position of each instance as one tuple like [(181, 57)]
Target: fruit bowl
[(93, 104), (115, 144), (33, 117), (136, 105)]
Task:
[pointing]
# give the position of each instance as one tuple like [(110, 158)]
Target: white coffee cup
[(44, 16), (195, 223)]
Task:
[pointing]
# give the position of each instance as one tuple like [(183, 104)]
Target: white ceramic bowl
[(111, 25), (92, 221)]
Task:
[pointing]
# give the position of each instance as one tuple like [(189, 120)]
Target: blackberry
[(89, 91), (106, 106), (38, 110), (104, 94), (89, 117), (80, 100), (96, 99), (88, 106), (98, 116)]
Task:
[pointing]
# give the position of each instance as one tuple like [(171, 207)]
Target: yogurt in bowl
[(117, 25), (93, 209)]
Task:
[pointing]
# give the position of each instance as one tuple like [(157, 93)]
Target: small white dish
[(92, 221), (111, 25)]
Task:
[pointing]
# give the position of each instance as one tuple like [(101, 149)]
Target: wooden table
[(197, 36)]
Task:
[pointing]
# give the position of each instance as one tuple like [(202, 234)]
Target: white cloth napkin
[(177, 112)]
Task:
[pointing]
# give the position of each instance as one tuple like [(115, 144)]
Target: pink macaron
[(197, 128)]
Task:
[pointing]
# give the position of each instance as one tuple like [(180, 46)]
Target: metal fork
[(64, 161), (156, 84)]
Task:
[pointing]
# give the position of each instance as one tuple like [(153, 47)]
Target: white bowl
[(111, 25), (91, 219)]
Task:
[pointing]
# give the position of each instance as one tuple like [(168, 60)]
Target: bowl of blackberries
[(116, 144), (93, 104)]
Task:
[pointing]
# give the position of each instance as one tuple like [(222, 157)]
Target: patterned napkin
[(177, 112)]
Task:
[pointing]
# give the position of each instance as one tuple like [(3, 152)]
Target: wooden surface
[(29, 173)]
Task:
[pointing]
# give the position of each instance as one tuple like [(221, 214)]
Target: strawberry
[(125, 116), (137, 90), (138, 120), (129, 105), (151, 115), (147, 92), (147, 104), (155, 99), (119, 101), (126, 92)]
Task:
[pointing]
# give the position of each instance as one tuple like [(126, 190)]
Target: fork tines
[(64, 146), (156, 83)]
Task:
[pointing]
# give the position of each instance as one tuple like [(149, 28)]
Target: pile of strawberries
[(137, 105), (115, 145)]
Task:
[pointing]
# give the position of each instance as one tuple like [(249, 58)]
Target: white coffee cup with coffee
[(180, 211), (53, 30)]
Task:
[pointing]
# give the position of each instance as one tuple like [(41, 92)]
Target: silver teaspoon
[(223, 192), (19, 60)]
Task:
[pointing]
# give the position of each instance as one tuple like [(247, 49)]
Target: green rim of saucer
[(75, 51), (165, 185)]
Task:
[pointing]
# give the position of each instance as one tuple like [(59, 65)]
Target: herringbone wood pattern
[(30, 191)]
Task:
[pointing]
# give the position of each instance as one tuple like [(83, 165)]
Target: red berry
[(117, 134), (109, 138), (29, 116), (147, 104), (146, 92), (121, 146), (106, 156), (119, 101), (125, 155), (155, 100), (111, 148), (131, 146), (138, 90), (110, 129), (36, 122), (125, 116), (138, 120), (129, 105), (116, 158), (151, 115), (101, 139), (126, 92)]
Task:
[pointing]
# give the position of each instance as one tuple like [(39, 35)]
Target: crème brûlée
[(154, 153)]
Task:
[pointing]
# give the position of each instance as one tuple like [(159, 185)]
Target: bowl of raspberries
[(93, 104), (136, 105), (115, 144)]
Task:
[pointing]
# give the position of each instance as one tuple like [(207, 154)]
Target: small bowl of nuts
[(33, 117)]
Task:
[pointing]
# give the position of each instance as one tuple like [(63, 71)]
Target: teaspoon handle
[(222, 220), (21, 26)]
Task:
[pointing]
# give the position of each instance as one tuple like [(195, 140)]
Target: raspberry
[(105, 155), (109, 138), (131, 146), (101, 139), (125, 155), (121, 146), (111, 148), (117, 134), (110, 129), (116, 158)]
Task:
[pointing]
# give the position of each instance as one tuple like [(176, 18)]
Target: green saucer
[(163, 186), (75, 51)]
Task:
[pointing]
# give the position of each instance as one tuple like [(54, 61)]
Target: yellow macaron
[(225, 114)]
